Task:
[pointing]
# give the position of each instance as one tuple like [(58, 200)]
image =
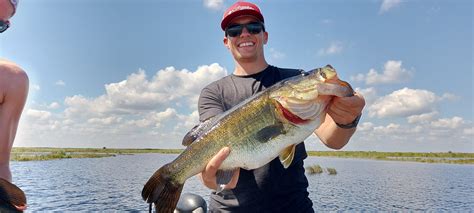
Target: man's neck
[(242, 68)]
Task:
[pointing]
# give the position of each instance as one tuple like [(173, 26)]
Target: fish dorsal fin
[(197, 131), (287, 155), (269, 132)]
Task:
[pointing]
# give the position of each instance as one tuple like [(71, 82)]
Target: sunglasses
[(252, 28), (4, 26)]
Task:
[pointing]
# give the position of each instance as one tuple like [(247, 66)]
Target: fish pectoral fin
[(224, 176), (287, 155), (190, 137), (269, 132)]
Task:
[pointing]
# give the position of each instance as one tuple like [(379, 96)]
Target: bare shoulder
[(10, 70), (14, 82)]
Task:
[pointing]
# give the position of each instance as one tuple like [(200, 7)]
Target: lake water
[(115, 184)]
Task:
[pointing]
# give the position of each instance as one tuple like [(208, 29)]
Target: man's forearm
[(333, 136)]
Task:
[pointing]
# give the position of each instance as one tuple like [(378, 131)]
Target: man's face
[(246, 46), (6, 10)]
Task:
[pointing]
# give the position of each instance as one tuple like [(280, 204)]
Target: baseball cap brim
[(226, 21)]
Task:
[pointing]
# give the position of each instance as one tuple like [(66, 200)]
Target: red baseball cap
[(240, 8)]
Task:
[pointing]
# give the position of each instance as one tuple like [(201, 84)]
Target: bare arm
[(13, 94), (342, 111)]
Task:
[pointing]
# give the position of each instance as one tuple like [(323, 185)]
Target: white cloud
[(53, 105), (469, 131), (214, 4), (388, 5), (139, 111), (449, 97), (366, 126), (403, 102), (359, 77), (393, 73), (447, 134), (334, 48), (60, 83), (389, 129), (38, 114), (370, 94), (168, 87), (104, 121), (454, 122), (422, 118)]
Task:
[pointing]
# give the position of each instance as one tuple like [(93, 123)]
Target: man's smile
[(246, 44)]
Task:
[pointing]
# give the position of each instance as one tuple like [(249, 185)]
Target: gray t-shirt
[(270, 188)]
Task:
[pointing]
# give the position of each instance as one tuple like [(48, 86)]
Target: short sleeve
[(210, 103)]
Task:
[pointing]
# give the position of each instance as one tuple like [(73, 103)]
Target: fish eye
[(323, 74)]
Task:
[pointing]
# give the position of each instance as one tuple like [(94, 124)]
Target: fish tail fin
[(162, 190), (13, 197)]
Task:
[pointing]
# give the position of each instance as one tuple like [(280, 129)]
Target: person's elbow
[(335, 144)]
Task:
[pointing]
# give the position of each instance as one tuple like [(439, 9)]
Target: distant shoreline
[(47, 153)]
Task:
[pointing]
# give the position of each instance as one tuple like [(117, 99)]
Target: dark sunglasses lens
[(3, 26), (234, 31), (254, 28)]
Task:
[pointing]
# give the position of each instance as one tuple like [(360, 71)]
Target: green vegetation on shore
[(33, 154), (46, 153), (429, 157)]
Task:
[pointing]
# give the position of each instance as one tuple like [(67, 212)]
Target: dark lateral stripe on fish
[(290, 116)]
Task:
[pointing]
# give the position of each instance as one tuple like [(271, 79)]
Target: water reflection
[(115, 183)]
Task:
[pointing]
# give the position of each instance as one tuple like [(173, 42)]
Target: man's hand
[(344, 110), (208, 176)]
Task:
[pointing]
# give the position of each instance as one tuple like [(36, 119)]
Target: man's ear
[(226, 42), (265, 37)]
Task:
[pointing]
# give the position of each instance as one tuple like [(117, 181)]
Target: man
[(13, 93), (270, 188)]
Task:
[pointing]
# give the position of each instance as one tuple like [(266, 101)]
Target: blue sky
[(123, 73)]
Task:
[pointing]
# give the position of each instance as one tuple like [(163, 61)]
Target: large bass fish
[(266, 125)]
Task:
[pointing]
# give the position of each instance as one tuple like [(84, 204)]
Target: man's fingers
[(217, 160), (344, 110), (208, 176)]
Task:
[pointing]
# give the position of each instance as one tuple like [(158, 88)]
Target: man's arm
[(342, 111), (13, 94)]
